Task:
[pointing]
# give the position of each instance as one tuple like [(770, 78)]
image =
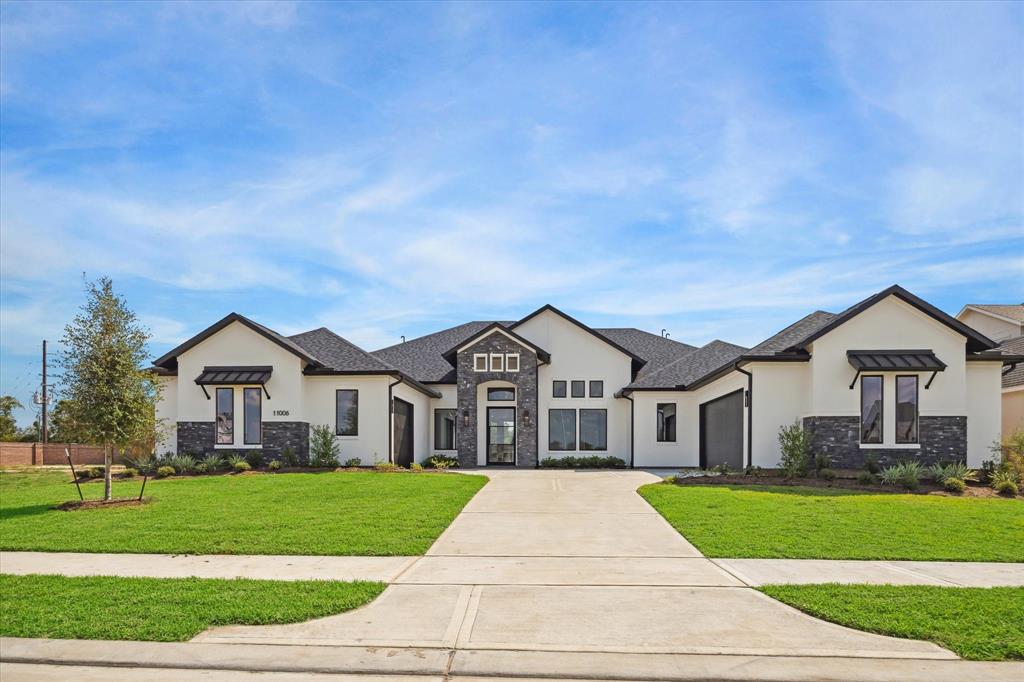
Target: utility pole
[(45, 397)]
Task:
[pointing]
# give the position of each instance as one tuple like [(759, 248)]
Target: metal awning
[(894, 361), (246, 374)]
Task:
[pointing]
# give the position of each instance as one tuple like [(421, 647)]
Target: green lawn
[(825, 523), (163, 610), (985, 624), (343, 513)]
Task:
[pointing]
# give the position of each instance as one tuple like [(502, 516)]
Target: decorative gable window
[(497, 362), (512, 362), (480, 362)]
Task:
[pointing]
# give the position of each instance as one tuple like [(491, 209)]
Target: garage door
[(721, 431)]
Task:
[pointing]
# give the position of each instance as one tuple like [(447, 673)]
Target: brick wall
[(27, 454)]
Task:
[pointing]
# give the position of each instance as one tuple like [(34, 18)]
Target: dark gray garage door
[(721, 431)]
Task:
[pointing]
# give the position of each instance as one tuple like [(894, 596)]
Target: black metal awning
[(247, 374), (894, 361)]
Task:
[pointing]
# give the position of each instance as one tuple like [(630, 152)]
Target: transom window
[(557, 389), (666, 422), (596, 389), (871, 409), (346, 404), (579, 389), (501, 394), (480, 362), (906, 409), (225, 416), (512, 362), (497, 362)]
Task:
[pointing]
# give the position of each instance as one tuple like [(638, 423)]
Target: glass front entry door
[(501, 435)]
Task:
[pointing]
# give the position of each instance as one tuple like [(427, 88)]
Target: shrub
[(671, 480), (905, 474), (722, 469), (234, 459), (254, 458), (871, 464), (1011, 454), (586, 462), (91, 472), (274, 465), (827, 474), (241, 465), (954, 485), (754, 471), (936, 472), (415, 466), (1008, 488), (353, 462), (445, 461), (940, 472), (386, 467), (143, 464), (822, 462), (867, 478), (795, 444), (213, 462), (129, 473), (183, 463), (323, 448), (988, 468), (165, 471), (289, 456), (1004, 482)]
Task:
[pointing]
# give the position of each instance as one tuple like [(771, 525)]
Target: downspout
[(750, 413), (391, 417), (536, 417), (632, 420)]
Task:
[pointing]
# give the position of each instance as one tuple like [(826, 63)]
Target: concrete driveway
[(565, 561)]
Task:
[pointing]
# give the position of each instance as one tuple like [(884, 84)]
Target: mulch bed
[(927, 488), (79, 505)]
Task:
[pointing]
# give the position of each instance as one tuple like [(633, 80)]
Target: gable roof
[(423, 357), (337, 353), (691, 369), (169, 360), (657, 350), (589, 330), (500, 328), (1015, 377), (1012, 313), (794, 333)]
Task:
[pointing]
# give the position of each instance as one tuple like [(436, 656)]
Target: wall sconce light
[(465, 417), (526, 417)]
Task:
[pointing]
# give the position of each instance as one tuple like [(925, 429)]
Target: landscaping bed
[(163, 609), (983, 624), (353, 513), (806, 522), (845, 480)]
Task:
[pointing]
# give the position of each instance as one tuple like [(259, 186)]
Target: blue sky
[(718, 170)]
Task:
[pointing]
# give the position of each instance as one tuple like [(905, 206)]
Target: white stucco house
[(891, 375), (1003, 323)]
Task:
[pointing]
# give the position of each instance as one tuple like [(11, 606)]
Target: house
[(892, 375), (1003, 323)]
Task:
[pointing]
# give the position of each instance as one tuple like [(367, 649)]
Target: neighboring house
[(892, 375), (1003, 323)]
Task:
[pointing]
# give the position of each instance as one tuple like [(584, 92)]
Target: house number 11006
[(280, 413)]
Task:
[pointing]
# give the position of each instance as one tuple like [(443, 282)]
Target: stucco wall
[(371, 443), (984, 410), (782, 395), (167, 415), (1013, 410), (992, 327)]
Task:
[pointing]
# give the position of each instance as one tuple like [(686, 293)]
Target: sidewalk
[(694, 571)]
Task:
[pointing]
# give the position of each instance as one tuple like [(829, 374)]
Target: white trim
[(509, 356), (474, 340), (498, 366), (476, 365), (890, 446), (1011, 389)]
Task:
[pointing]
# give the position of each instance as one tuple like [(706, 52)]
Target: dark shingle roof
[(1015, 346), (791, 335), (337, 353), (422, 357), (656, 349), (691, 367)]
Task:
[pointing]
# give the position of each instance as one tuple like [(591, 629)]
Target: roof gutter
[(391, 416)]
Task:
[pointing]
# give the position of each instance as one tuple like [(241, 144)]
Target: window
[(596, 389), (906, 409), (253, 416), (871, 409), (480, 362), (561, 429), (501, 394), (557, 389), (225, 416), (497, 362), (593, 429), (444, 429), (666, 422), (579, 389), (512, 362), (346, 412)]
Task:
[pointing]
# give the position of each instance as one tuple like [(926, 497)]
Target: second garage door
[(721, 431)]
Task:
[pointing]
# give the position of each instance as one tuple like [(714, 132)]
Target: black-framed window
[(225, 416), (252, 416), (444, 429), (871, 405), (557, 389), (593, 429), (561, 429), (596, 389), (501, 393), (906, 409), (666, 422), (579, 389), (346, 412)]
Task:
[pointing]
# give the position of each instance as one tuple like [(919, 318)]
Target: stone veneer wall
[(525, 381), (197, 438), (943, 439)]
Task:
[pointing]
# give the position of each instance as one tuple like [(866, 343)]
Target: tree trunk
[(107, 461)]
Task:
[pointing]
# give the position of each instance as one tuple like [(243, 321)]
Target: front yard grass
[(163, 609), (983, 624), (336, 513), (824, 523)]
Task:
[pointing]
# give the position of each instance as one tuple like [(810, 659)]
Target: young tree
[(110, 396), (8, 426)]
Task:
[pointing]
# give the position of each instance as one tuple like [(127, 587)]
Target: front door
[(501, 435), (402, 443)]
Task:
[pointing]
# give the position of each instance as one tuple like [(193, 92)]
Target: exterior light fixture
[(526, 417), (465, 417)]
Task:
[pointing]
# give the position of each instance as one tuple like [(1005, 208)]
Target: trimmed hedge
[(586, 462)]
